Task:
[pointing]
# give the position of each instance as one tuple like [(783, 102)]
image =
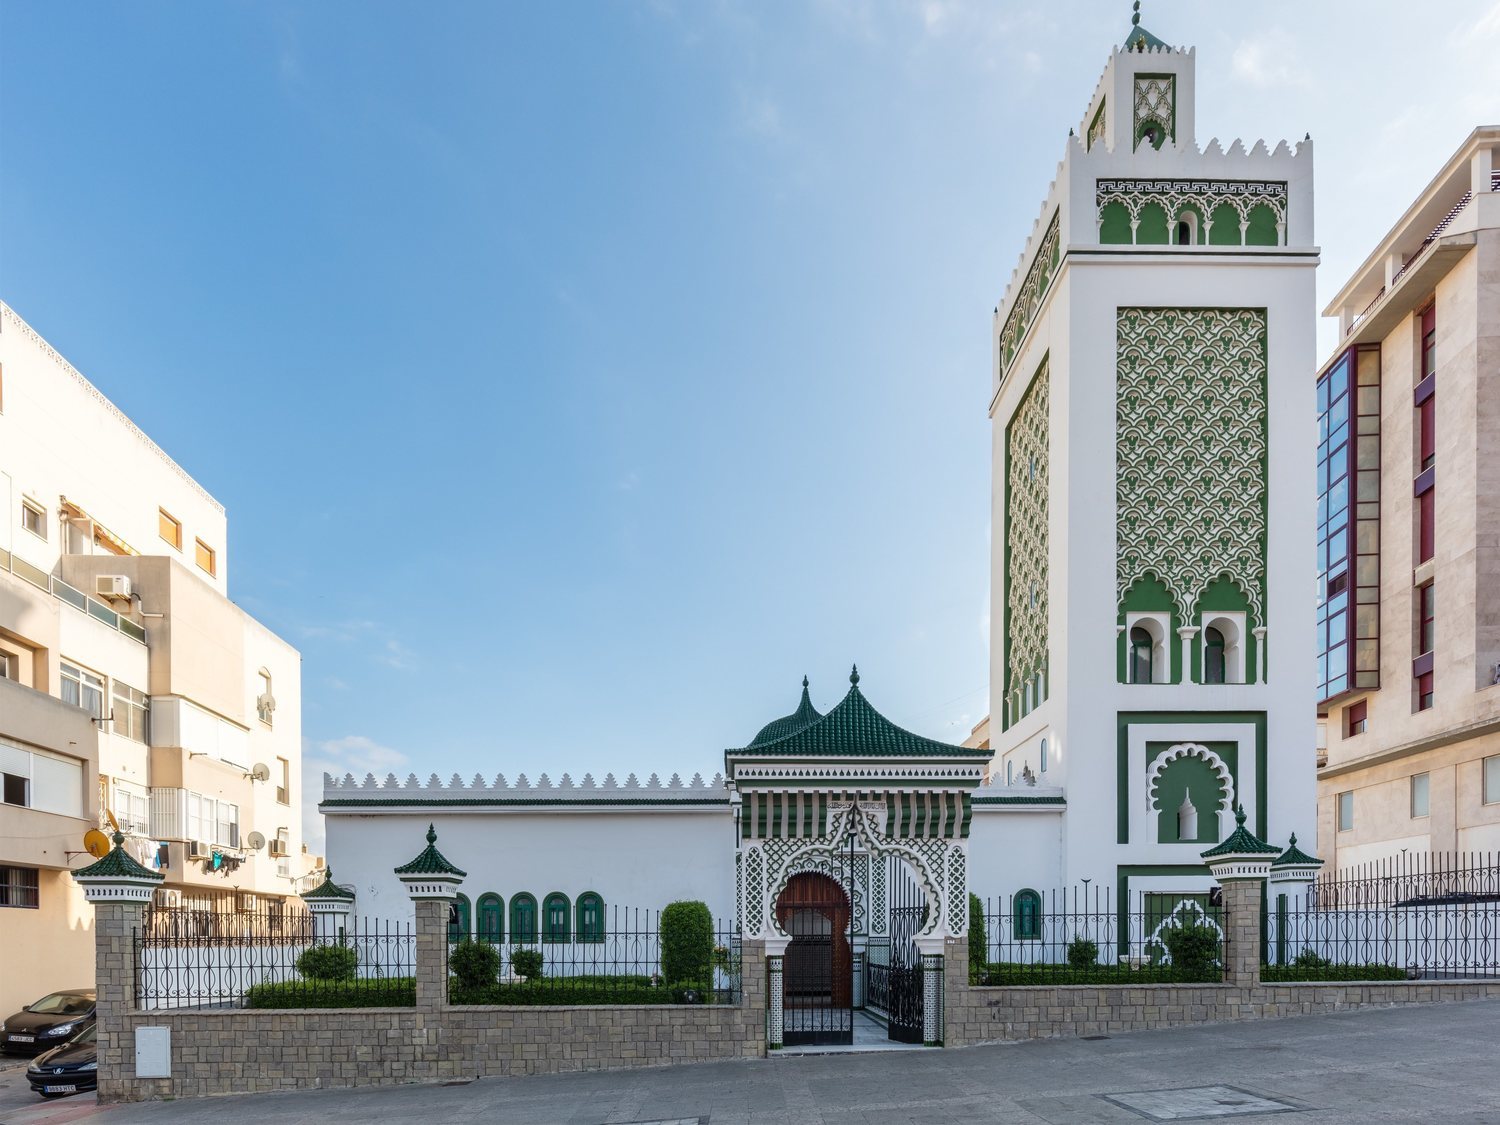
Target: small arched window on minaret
[(1185, 232), (1187, 818)]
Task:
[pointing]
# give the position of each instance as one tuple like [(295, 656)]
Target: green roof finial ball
[(1136, 15), (854, 675), (431, 834)]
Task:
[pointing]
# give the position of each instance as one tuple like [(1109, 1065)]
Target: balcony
[(75, 598)]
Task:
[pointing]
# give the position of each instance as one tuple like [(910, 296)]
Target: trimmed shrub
[(1194, 948), (474, 963), (1290, 974), (382, 992), (583, 990), (1033, 974), (687, 942), (977, 941), (1083, 953), (328, 962), (526, 963), (1307, 959)]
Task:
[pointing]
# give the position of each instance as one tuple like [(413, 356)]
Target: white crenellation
[(675, 786)]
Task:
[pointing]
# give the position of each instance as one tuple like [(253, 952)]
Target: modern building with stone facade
[(1409, 531), (130, 685)]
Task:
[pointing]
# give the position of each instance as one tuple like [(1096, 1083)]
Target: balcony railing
[(75, 598)]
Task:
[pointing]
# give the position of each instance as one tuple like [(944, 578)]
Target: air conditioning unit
[(278, 848), (199, 849), (112, 586), (170, 899), (247, 902)]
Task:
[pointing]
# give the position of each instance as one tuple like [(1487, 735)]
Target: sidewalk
[(1435, 1064)]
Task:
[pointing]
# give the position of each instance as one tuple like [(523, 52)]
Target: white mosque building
[(1153, 664)]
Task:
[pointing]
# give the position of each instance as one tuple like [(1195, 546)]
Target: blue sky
[(577, 377)]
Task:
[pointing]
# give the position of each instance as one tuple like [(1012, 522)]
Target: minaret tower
[(1153, 484)]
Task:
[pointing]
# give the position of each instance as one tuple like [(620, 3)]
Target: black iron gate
[(903, 984), (818, 966)]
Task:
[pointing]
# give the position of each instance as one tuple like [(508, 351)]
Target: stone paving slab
[(1436, 1063)]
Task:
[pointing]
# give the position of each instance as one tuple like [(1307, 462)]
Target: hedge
[(583, 990), (1014, 973), (384, 992), (1291, 974)]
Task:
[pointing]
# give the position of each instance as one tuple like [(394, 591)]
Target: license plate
[(60, 1089), (23, 1038)]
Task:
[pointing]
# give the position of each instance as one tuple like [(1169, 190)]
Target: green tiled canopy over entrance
[(853, 729), (430, 861), (804, 716)]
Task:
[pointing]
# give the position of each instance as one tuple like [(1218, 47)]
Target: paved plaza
[(1438, 1063)]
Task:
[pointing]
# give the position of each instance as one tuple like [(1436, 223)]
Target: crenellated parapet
[(500, 790)]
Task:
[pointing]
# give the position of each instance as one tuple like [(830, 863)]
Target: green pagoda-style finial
[(1239, 815), (854, 675), (1292, 843), (804, 683), (432, 834), (118, 837), (1135, 17)]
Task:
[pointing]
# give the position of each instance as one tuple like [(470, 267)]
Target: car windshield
[(63, 1004), (87, 1035)]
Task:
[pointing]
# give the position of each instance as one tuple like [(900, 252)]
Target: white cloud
[(1269, 61), (354, 754)]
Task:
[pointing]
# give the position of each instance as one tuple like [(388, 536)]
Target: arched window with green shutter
[(1026, 916), (522, 917), (556, 926), (491, 911), (590, 917), (458, 920)]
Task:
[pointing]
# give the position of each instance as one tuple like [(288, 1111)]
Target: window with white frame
[(1492, 780), (212, 821), (1346, 811), (283, 858), (82, 688), (1147, 655), (130, 711), (132, 808), (34, 518), (1418, 795), (1223, 652)]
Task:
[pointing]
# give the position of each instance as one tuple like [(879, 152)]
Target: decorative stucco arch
[(1190, 750)]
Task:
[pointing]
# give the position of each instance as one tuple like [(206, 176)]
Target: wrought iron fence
[(620, 962), (261, 959), (1429, 916), (1085, 935)]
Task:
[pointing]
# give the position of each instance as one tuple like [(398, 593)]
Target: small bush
[(1194, 947), (687, 942), (526, 963), (474, 963), (384, 992), (1003, 973), (977, 940), (328, 962), (1307, 959), (1083, 953)]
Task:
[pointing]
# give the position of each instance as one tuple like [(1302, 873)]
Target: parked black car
[(48, 1023), (67, 1069)]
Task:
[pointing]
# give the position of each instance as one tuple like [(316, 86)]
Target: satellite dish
[(96, 843), (255, 839), (261, 772)]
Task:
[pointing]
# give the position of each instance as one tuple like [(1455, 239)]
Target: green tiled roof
[(1241, 841), (431, 861), (804, 716), (117, 864), (1295, 856), (329, 890), (854, 729), (1008, 799)]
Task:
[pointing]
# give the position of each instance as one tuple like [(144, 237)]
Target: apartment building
[(130, 685), (1409, 531)]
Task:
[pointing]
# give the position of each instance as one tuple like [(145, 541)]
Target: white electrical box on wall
[(153, 1052)]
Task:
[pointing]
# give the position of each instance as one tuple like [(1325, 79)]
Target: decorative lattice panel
[(1026, 495), (958, 892), (1190, 451), (1155, 104)]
